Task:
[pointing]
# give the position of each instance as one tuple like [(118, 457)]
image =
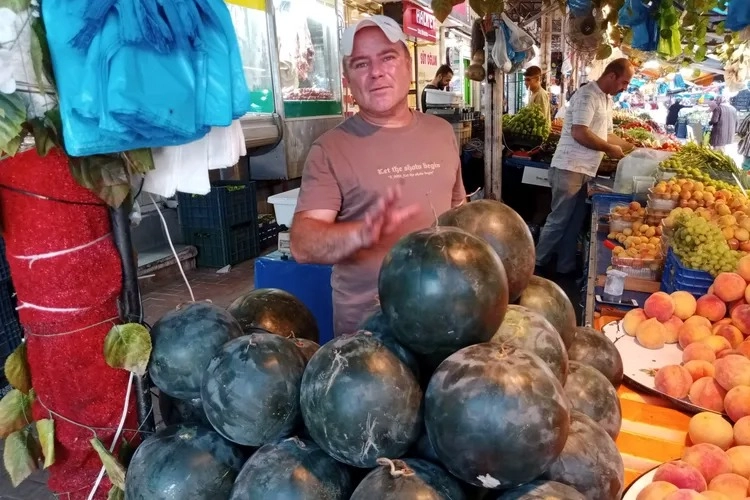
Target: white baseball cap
[(388, 26)]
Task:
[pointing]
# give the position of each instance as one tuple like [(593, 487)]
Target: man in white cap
[(381, 174)]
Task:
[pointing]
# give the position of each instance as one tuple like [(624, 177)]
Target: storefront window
[(307, 32), (249, 19)]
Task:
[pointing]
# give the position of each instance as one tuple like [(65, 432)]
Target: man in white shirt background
[(586, 137)]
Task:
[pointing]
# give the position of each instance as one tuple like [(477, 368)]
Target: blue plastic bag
[(738, 15)]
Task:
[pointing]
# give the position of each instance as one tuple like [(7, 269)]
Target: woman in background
[(723, 122)]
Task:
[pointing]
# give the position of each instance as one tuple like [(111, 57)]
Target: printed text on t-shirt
[(415, 170)]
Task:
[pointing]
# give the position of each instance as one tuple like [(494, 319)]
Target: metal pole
[(497, 159)]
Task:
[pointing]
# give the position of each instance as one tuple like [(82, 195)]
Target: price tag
[(535, 176)]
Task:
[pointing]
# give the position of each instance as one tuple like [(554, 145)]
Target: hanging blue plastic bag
[(738, 15)]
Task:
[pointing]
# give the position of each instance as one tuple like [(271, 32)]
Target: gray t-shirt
[(350, 167)]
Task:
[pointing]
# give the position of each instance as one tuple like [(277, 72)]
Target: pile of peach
[(715, 467)]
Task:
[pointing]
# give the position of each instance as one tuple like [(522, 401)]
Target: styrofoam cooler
[(284, 205)]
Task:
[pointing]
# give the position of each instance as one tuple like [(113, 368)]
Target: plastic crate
[(228, 204), (268, 231), (678, 277), (219, 248)]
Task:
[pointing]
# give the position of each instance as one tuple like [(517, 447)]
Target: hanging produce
[(442, 8)]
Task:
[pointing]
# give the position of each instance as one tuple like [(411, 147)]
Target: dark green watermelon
[(183, 461), (496, 416), (590, 462), (307, 347), (292, 469), (360, 402), (251, 387), (377, 325), (442, 289), (423, 449), (505, 231), (591, 393), (410, 478), (541, 490), (549, 300), (184, 341), (593, 348), (182, 411), (276, 311), (528, 330)]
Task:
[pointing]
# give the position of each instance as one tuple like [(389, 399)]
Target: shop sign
[(419, 22), (535, 176), (428, 61)]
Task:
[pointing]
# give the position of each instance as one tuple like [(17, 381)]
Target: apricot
[(716, 343), (672, 327), (729, 286), (709, 459), (732, 371), (737, 402), (742, 432), (711, 307), (740, 458), (708, 427), (681, 474), (743, 267), (684, 304), (660, 306), (691, 332), (673, 380), (741, 318), (731, 333), (632, 319), (698, 351), (732, 485), (744, 348), (656, 491), (705, 392), (699, 369), (651, 334)]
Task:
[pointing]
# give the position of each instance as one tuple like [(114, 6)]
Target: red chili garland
[(65, 293)]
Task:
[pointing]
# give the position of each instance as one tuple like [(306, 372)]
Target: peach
[(632, 319), (672, 327), (732, 485), (742, 432), (740, 458), (711, 307), (707, 393), (693, 332), (714, 495), (743, 267), (737, 402), (747, 294), (732, 370), (727, 352), (651, 334), (741, 318), (698, 320), (684, 304), (729, 286), (673, 380), (709, 459), (744, 348), (681, 474), (708, 427), (699, 369), (660, 306), (698, 351), (731, 333), (731, 306), (684, 494), (656, 491), (716, 343), (717, 324)]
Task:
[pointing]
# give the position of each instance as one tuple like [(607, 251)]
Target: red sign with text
[(419, 22)]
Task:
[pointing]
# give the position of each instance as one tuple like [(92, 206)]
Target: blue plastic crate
[(678, 277), (228, 204)]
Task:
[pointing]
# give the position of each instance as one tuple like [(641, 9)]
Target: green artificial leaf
[(105, 175), (128, 347), (41, 38), (115, 470), (495, 6), (15, 5), (20, 455), (604, 51), (115, 493), (720, 28), (12, 116), (17, 370), (442, 9), (45, 428), (43, 138), (15, 411), (125, 453), (139, 161), (37, 59), (478, 7), (666, 33), (700, 54)]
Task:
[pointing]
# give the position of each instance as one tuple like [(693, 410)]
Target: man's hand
[(384, 218), (615, 152)]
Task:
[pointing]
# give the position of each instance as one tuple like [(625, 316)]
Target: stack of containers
[(11, 333), (658, 207), (628, 221)]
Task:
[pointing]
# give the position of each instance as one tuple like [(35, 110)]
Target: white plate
[(639, 485), (640, 364)]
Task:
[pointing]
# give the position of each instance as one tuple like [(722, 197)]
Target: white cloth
[(590, 107)]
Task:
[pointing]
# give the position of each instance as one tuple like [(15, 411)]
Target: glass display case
[(309, 67)]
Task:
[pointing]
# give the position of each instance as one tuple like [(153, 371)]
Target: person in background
[(380, 175), (532, 79), (442, 79), (586, 137), (674, 113), (743, 147), (723, 123)]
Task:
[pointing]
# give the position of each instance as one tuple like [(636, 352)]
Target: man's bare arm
[(584, 136), (619, 141), (316, 237)]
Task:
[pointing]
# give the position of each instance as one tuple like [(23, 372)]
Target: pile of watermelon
[(470, 381)]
